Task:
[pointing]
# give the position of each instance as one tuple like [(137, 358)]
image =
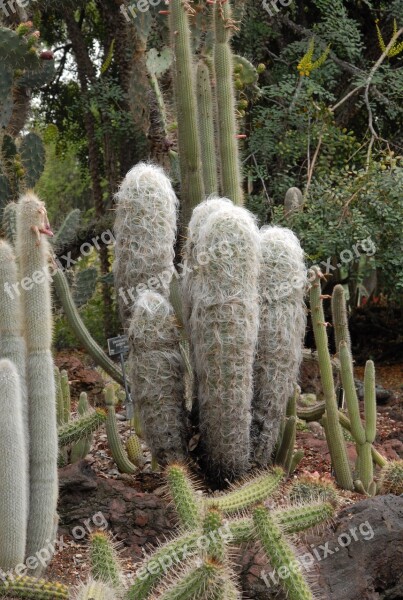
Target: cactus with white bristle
[(145, 233), (96, 590), (33, 254), (282, 323), (223, 325), (157, 375), (13, 460)]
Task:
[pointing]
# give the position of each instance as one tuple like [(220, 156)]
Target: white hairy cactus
[(157, 376), (96, 590), (13, 469), (33, 252), (282, 285), (223, 323), (12, 343), (145, 234)]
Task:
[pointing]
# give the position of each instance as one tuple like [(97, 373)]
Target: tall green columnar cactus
[(282, 324), (230, 168), (145, 233), (33, 254), (334, 433), (206, 127), (13, 469), (223, 324), (12, 343), (157, 375), (192, 187), (340, 318), (364, 435)]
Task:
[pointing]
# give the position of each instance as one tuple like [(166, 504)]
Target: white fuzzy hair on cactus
[(157, 375), (223, 325), (145, 232), (282, 285)]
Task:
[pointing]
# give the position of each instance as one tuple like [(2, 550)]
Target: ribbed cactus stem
[(340, 318), (157, 375), (35, 589), (223, 325), (12, 343), (335, 439), (80, 330), (258, 489), (230, 168), (192, 187), (81, 448), (13, 468), (286, 450), (196, 582), (105, 564), (10, 222), (33, 252), (117, 450), (134, 450), (212, 523), (282, 324), (363, 445), (59, 397), (280, 554), (65, 385), (185, 499), (82, 427), (392, 478), (206, 127), (145, 233), (96, 590)]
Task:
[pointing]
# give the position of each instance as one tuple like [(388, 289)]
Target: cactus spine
[(334, 434), (117, 450), (223, 325), (105, 565), (392, 478), (192, 188), (35, 589), (75, 430), (81, 448), (206, 126), (157, 374), (281, 332), (145, 233), (231, 179), (96, 590), (184, 496), (33, 253), (13, 468)]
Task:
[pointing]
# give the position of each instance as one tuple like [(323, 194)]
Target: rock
[(382, 396), (309, 376)]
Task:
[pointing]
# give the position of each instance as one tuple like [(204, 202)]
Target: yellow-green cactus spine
[(364, 436), (192, 187), (134, 450), (198, 581), (334, 433), (13, 468), (184, 496), (206, 127), (340, 318), (105, 564), (75, 430), (33, 253), (118, 452), (392, 478), (34, 589), (280, 554), (244, 495), (230, 168)]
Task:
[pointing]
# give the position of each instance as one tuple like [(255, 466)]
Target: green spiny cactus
[(282, 323), (13, 460), (230, 168), (392, 478), (115, 445), (197, 581), (60, 414), (34, 589), (80, 449), (33, 252), (244, 495), (157, 375), (280, 554), (80, 330), (16, 51), (334, 433), (307, 488), (96, 590), (212, 523), (364, 436), (145, 232), (80, 428), (192, 187), (223, 326), (285, 451), (105, 564), (340, 318), (206, 128), (65, 386), (184, 496), (134, 450)]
